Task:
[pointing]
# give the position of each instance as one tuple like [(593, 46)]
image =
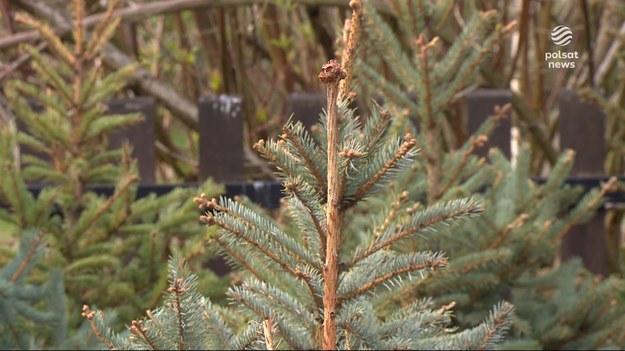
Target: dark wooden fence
[(581, 128)]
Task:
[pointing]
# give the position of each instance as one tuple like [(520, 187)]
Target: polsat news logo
[(561, 36)]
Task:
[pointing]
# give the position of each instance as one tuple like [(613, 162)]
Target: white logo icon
[(562, 35)]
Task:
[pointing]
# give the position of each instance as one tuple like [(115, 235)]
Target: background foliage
[(263, 50)]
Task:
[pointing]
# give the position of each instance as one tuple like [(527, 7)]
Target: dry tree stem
[(268, 334), (349, 54), (331, 74), (433, 162)]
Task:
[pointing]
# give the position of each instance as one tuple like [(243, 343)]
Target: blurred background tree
[(109, 248), (263, 50)]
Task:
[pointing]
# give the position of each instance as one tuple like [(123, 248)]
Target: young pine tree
[(305, 288), (510, 251), (110, 249)]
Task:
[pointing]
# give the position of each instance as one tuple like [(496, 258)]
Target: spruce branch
[(268, 333), (593, 202), (409, 144), (294, 188), (137, 328), (79, 31), (392, 215), (556, 178), (348, 155), (331, 74), (246, 216), (217, 324), (439, 213), (90, 315), (277, 153), (349, 51), (348, 345), (177, 289), (211, 220), (282, 301), (307, 279), (16, 198), (434, 263), (103, 30), (29, 256), (498, 322), (503, 235), (48, 34), (87, 222), (376, 126), (44, 208), (475, 143), (237, 257), (310, 164), (431, 127)]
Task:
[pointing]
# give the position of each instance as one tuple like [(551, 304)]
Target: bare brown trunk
[(331, 74)]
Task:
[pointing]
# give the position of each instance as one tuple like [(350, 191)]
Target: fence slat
[(140, 136), (221, 138), (480, 105), (581, 128)]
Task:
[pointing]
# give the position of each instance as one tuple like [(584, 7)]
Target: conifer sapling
[(306, 288)]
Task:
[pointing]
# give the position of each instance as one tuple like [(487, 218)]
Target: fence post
[(480, 105), (306, 107), (581, 128), (221, 138), (139, 135)]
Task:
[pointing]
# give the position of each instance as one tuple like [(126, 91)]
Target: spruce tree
[(311, 283), (510, 251), (111, 250), (28, 308)]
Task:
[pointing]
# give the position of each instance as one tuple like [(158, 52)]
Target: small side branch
[(609, 186), (90, 315), (293, 188), (391, 215), (409, 144), (268, 333), (29, 256), (349, 53), (413, 229), (178, 289), (203, 202), (503, 235), (433, 161), (109, 202), (310, 165), (139, 330), (210, 220), (498, 321), (431, 264), (238, 257), (476, 142)]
